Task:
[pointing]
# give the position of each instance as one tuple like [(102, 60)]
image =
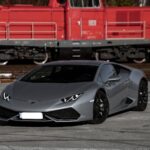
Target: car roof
[(77, 62)]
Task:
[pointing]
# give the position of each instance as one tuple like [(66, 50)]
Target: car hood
[(27, 96), (46, 91)]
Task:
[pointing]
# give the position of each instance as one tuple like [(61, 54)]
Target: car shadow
[(53, 124), (122, 112), (39, 124)]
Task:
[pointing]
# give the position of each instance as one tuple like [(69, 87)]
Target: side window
[(84, 3), (121, 71), (76, 3), (87, 3), (61, 1), (107, 71), (28, 2), (96, 3)]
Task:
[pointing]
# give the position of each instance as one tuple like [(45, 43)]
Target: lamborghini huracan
[(74, 91)]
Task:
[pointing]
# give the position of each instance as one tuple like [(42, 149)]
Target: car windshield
[(61, 74)]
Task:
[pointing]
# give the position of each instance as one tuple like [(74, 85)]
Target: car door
[(114, 86)]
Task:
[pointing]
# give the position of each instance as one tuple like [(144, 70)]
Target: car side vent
[(65, 114)]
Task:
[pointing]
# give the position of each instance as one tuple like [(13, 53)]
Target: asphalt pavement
[(124, 131)]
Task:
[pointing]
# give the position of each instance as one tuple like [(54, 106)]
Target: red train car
[(44, 30)]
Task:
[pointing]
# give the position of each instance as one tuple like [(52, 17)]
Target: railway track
[(145, 67), (9, 73)]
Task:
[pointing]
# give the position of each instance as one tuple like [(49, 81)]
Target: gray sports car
[(74, 91)]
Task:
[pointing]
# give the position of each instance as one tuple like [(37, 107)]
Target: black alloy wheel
[(100, 108), (142, 96)]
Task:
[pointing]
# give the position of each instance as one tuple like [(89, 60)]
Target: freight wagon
[(43, 30)]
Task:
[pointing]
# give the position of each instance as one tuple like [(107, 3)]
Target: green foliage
[(122, 2)]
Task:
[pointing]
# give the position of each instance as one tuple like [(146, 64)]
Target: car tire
[(142, 96), (3, 123), (100, 108)]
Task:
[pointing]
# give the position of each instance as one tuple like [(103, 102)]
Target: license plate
[(30, 115)]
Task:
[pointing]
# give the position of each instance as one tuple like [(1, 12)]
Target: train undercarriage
[(40, 55), (124, 54), (37, 55), (42, 31)]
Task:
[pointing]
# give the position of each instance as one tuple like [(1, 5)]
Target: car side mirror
[(110, 81), (113, 79)]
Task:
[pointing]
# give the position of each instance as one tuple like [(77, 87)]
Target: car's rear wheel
[(142, 96), (100, 108)]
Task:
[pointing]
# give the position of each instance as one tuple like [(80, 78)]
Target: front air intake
[(6, 113), (64, 114)]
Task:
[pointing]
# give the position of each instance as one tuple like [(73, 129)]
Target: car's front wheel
[(100, 108), (142, 96), (3, 123)]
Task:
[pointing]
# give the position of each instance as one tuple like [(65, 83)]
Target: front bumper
[(62, 115)]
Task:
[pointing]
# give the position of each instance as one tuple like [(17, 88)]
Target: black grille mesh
[(67, 114), (6, 113)]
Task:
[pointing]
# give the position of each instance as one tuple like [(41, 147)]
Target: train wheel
[(96, 56), (3, 59), (140, 61), (3, 63), (43, 59)]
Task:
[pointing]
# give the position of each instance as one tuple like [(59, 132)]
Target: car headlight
[(5, 96), (71, 98)]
